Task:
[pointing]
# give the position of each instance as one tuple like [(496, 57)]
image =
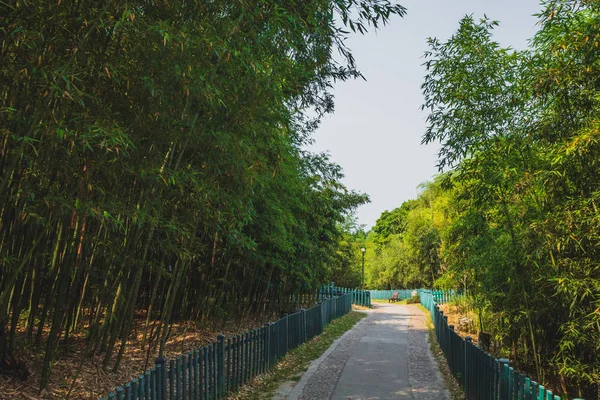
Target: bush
[(413, 300)]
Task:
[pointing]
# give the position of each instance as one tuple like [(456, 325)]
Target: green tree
[(520, 131), (152, 160)]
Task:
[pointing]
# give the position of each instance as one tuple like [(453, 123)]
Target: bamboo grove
[(152, 162), (513, 220)]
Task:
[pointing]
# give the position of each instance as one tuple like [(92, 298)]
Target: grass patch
[(291, 367), (451, 383)]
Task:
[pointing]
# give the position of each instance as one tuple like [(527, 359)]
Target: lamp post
[(363, 249)]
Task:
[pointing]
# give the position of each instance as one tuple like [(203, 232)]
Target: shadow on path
[(385, 356)]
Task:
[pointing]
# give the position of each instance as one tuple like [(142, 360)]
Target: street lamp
[(363, 249)]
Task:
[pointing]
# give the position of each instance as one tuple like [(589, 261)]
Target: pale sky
[(375, 132)]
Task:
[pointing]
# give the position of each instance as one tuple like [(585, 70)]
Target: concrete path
[(385, 356)]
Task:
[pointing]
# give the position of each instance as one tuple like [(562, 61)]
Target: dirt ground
[(85, 379), (454, 314)]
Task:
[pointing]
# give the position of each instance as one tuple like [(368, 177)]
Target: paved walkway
[(385, 356)]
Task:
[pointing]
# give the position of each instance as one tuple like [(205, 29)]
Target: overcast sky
[(375, 132)]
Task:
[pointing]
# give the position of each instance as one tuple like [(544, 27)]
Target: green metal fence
[(359, 297), (481, 375), (222, 367), (445, 296), (403, 294), (441, 296)]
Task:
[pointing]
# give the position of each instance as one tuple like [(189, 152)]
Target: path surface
[(385, 356)]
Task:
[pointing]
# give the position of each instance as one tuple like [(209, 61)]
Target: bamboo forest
[(155, 180)]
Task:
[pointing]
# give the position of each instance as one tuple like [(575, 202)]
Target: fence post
[(467, 372), (319, 319), (273, 338), (128, 389), (220, 366), (348, 303), (303, 325), (171, 379), (267, 347), (286, 330), (541, 395), (147, 388), (184, 372), (511, 382), (441, 337), (503, 365), (452, 350), (161, 384), (134, 388)]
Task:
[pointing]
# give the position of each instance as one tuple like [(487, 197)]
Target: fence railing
[(444, 296), (403, 294), (359, 297), (441, 296), (224, 366), (480, 374)]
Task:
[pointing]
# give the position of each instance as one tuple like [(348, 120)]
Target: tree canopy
[(152, 158), (513, 219)]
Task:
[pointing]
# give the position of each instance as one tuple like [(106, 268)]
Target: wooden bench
[(394, 298)]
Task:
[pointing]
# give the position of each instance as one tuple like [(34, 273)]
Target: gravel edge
[(424, 376)]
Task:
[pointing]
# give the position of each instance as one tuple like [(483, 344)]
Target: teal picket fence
[(224, 366), (403, 294), (444, 296), (441, 296), (480, 374), (359, 297)]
